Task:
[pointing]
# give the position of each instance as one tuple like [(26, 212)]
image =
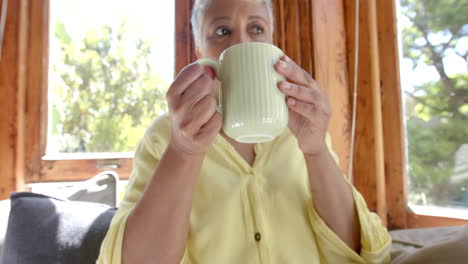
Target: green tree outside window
[(437, 111), (105, 90)]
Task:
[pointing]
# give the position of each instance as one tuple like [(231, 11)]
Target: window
[(434, 37), (110, 64)]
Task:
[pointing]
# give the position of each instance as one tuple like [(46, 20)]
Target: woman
[(197, 196)]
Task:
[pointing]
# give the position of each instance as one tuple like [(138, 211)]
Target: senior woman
[(197, 196)]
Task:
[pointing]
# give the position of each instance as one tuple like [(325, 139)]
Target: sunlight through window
[(434, 37), (111, 62)]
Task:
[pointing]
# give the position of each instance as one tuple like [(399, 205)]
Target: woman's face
[(230, 22)]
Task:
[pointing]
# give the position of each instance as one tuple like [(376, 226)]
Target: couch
[(44, 229)]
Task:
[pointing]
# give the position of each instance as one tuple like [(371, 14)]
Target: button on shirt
[(262, 213), (258, 236)]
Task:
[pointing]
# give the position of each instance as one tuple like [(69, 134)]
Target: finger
[(303, 93), (193, 93), (188, 75), (293, 72), (181, 107), (201, 113), (196, 91), (211, 128), (307, 110)]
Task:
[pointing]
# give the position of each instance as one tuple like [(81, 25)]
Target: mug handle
[(217, 67)]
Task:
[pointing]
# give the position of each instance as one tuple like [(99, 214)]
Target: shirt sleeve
[(144, 163), (375, 240)]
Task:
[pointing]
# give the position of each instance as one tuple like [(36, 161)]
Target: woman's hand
[(192, 107), (309, 107)]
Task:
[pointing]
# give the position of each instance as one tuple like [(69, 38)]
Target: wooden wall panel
[(279, 38), (292, 34), (193, 56), (293, 31), (350, 18), (369, 176), (331, 72), (313, 34), (37, 87), (392, 114), (12, 89), (184, 46), (305, 33)]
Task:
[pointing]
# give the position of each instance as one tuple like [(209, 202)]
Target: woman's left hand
[(309, 107)]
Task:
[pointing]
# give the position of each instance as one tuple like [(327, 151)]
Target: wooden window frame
[(71, 167), (325, 28), (399, 215), (13, 89), (38, 167)]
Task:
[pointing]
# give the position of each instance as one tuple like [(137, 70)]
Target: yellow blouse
[(244, 214)]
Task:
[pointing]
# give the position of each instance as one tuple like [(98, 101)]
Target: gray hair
[(198, 11)]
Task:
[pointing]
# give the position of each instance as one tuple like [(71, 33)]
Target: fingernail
[(210, 72), (285, 58), (291, 101), (286, 85)]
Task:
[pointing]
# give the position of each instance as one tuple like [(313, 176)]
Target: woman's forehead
[(230, 8)]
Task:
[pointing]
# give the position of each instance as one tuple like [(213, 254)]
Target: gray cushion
[(430, 245), (48, 230)]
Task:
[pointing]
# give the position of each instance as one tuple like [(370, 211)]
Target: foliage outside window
[(106, 83), (435, 82)]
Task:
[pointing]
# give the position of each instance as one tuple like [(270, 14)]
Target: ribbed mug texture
[(254, 109)]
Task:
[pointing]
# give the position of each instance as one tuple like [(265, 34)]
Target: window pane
[(434, 37), (111, 62)]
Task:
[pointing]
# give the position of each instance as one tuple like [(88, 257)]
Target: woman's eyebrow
[(257, 17), (220, 18)]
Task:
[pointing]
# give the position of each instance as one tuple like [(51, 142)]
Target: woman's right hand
[(192, 107)]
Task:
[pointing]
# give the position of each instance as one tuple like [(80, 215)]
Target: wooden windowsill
[(422, 221), (88, 156), (440, 211), (81, 168)]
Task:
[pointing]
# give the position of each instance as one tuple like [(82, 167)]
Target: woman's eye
[(257, 30), (223, 31)]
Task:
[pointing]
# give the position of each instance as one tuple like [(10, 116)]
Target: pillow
[(102, 188), (43, 229)]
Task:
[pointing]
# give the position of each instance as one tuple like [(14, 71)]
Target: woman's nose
[(241, 37)]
